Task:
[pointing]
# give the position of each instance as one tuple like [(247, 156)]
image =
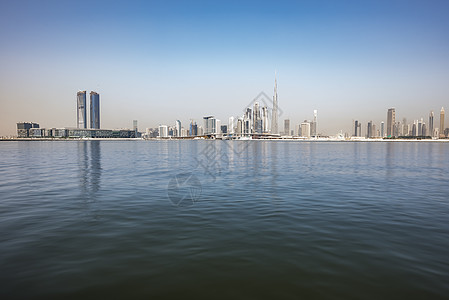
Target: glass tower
[(94, 110), (81, 113)]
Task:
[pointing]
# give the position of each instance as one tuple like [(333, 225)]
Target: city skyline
[(156, 64)]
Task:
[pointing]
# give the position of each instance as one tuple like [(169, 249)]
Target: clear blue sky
[(161, 61)]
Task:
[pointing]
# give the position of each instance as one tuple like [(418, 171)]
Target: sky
[(162, 61)]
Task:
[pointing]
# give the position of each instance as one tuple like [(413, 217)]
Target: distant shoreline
[(176, 139)]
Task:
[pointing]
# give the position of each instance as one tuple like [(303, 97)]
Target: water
[(254, 220)]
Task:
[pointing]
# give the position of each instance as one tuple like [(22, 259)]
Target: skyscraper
[(264, 119), (178, 128), (209, 125), (81, 113), (356, 128), (442, 122), (94, 110), (382, 129), (257, 120), (369, 129), (391, 122), (231, 125), (274, 119), (313, 125), (431, 126), (286, 127)]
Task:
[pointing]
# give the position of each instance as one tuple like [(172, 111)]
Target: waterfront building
[(382, 129), (391, 122), (81, 112), (305, 129), (231, 125), (224, 129), (274, 119), (178, 128), (217, 127), (313, 125), (420, 123), (193, 131), (431, 123), (369, 129), (442, 123), (356, 127), (94, 110), (286, 126), (23, 128), (239, 128), (265, 119), (298, 130), (210, 124), (163, 131)]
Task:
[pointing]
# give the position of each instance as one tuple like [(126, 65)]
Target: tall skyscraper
[(442, 122), (264, 119), (391, 122), (231, 125), (356, 128), (369, 129), (286, 127), (313, 125), (178, 128), (94, 110), (382, 129), (81, 113), (257, 120), (274, 119), (431, 124)]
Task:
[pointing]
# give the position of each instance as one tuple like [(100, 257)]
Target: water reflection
[(89, 155)]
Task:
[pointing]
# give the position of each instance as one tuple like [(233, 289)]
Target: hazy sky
[(161, 61)]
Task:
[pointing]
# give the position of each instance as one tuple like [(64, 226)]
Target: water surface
[(224, 219)]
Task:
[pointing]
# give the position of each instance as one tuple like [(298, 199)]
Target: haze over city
[(159, 62)]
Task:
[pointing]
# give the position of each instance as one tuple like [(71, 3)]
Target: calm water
[(224, 220)]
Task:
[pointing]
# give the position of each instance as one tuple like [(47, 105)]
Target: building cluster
[(256, 122), (397, 129), (82, 130)]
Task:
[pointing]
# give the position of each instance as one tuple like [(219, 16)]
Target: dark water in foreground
[(268, 220)]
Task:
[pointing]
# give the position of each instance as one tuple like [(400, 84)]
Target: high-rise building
[(356, 128), (94, 110), (231, 125), (163, 131), (431, 123), (442, 123), (305, 129), (420, 131), (274, 119), (217, 127), (209, 125), (313, 125), (369, 130), (391, 122), (382, 129), (239, 127), (81, 112), (286, 126), (178, 128), (193, 129), (135, 125), (264, 119)]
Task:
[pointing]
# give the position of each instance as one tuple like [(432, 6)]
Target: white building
[(163, 131), (305, 129)]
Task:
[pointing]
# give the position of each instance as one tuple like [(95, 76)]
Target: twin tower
[(81, 111)]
